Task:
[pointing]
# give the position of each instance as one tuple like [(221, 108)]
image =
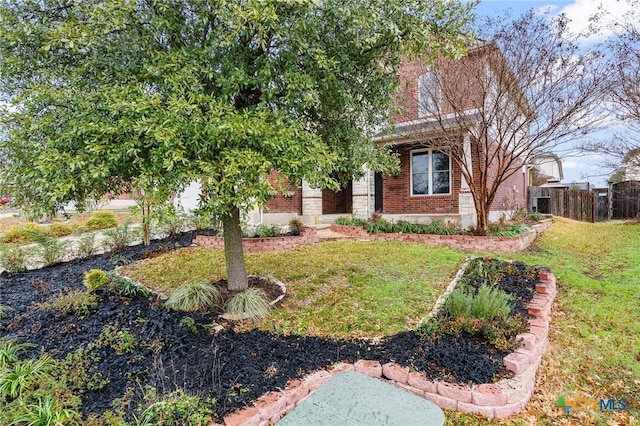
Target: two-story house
[(436, 176)]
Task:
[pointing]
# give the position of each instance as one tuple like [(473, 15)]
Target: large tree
[(621, 147), (156, 93), (525, 87)]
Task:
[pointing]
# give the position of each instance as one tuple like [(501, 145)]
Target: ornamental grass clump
[(250, 304), (193, 297), (489, 303)]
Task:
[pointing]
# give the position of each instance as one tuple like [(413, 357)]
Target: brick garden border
[(493, 400), (308, 235), (464, 242)]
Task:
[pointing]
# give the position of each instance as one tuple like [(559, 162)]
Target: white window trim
[(430, 174)]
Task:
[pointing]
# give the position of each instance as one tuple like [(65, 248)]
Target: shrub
[(76, 301), (58, 229), (94, 279), (537, 216), (23, 233), (101, 220), (127, 287), (348, 221), (51, 249), (169, 219), (380, 226), (202, 220), (295, 226), (193, 297), (86, 245), (251, 303), (487, 304), (119, 237), (266, 231), (14, 258)]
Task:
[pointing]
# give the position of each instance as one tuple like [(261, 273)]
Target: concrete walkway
[(352, 398)]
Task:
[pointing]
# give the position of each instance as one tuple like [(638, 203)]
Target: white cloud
[(581, 12), (546, 9)]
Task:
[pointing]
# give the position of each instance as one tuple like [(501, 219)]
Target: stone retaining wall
[(493, 400), (308, 235), (464, 242)]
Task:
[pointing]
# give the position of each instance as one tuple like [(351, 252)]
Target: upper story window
[(428, 94), (430, 172)]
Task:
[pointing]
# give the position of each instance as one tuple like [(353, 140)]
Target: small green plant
[(127, 287), (120, 340), (119, 237), (18, 377), (251, 303), (295, 226), (537, 216), (78, 302), (347, 221), (119, 260), (510, 231), (94, 279), (58, 229), (5, 310), (193, 297), (14, 258), (176, 408), (47, 411), (203, 220), (86, 245), (101, 220), (10, 350), (266, 231), (190, 323)]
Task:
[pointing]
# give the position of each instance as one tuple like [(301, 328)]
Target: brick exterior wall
[(397, 198), (281, 203), (506, 197), (337, 202)]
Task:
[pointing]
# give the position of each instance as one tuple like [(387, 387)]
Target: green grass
[(338, 289)]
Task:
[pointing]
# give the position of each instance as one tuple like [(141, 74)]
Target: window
[(430, 173), (428, 94)]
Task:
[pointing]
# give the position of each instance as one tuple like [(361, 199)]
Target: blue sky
[(577, 167)]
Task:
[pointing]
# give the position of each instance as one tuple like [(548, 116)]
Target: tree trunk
[(234, 256), (146, 219), (482, 214)]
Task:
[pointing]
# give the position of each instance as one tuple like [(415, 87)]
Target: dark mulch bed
[(233, 367)]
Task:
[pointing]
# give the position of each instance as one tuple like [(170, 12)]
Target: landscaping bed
[(126, 354)]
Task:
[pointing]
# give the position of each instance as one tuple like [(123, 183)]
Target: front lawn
[(337, 289)]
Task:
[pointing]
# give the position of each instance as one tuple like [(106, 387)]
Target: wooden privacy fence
[(577, 204), (625, 200)]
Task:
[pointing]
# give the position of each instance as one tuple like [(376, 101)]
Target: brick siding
[(290, 203)]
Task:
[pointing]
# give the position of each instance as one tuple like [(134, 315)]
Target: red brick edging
[(493, 400), (464, 242), (308, 235)]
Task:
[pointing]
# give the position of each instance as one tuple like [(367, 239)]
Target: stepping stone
[(351, 398)]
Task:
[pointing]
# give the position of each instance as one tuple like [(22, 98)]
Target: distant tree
[(151, 95), (525, 87)]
